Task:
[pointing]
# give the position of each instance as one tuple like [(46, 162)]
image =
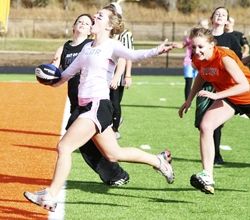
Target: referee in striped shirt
[(124, 81)]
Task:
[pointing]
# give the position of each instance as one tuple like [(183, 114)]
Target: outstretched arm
[(129, 54)]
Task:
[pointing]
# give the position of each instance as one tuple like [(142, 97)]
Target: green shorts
[(202, 104)]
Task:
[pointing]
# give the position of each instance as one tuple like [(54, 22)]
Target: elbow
[(246, 87)]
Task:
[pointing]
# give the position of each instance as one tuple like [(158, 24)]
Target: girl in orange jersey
[(230, 78)]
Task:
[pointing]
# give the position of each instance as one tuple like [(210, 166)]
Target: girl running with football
[(110, 173), (230, 78), (97, 62)]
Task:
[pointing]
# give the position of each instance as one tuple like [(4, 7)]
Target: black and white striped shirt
[(126, 38)]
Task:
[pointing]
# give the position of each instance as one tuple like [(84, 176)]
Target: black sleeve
[(235, 46), (62, 63)]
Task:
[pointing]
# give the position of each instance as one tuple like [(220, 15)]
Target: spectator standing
[(189, 72), (240, 37)]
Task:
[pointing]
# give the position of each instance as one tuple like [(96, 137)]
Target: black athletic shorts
[(239, 109), (99, 111)]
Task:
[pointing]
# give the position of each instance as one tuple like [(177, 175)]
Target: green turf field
[(17, 77), (150, 117), (150, 109)]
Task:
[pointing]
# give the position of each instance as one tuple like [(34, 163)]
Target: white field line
[(60, 210), (225, 147)]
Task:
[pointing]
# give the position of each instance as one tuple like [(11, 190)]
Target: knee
[(206, 127), (111, 157), (62, 149), (114, 155)]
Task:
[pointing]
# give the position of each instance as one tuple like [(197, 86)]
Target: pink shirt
[(188, 54)]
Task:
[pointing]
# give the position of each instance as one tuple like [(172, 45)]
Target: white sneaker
[(165, 167), (41, 198), (203, 182)]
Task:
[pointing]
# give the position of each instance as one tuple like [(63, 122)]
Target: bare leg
[(109, 147), (218, 113), (77, 135)]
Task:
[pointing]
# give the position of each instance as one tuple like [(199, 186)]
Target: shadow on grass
[(100, 188), (235, 165), (97, 204)]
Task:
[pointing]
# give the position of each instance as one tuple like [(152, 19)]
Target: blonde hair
[(115, 20), (202, 32)]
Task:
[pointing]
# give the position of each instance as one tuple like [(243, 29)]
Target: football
[(47, 74)]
